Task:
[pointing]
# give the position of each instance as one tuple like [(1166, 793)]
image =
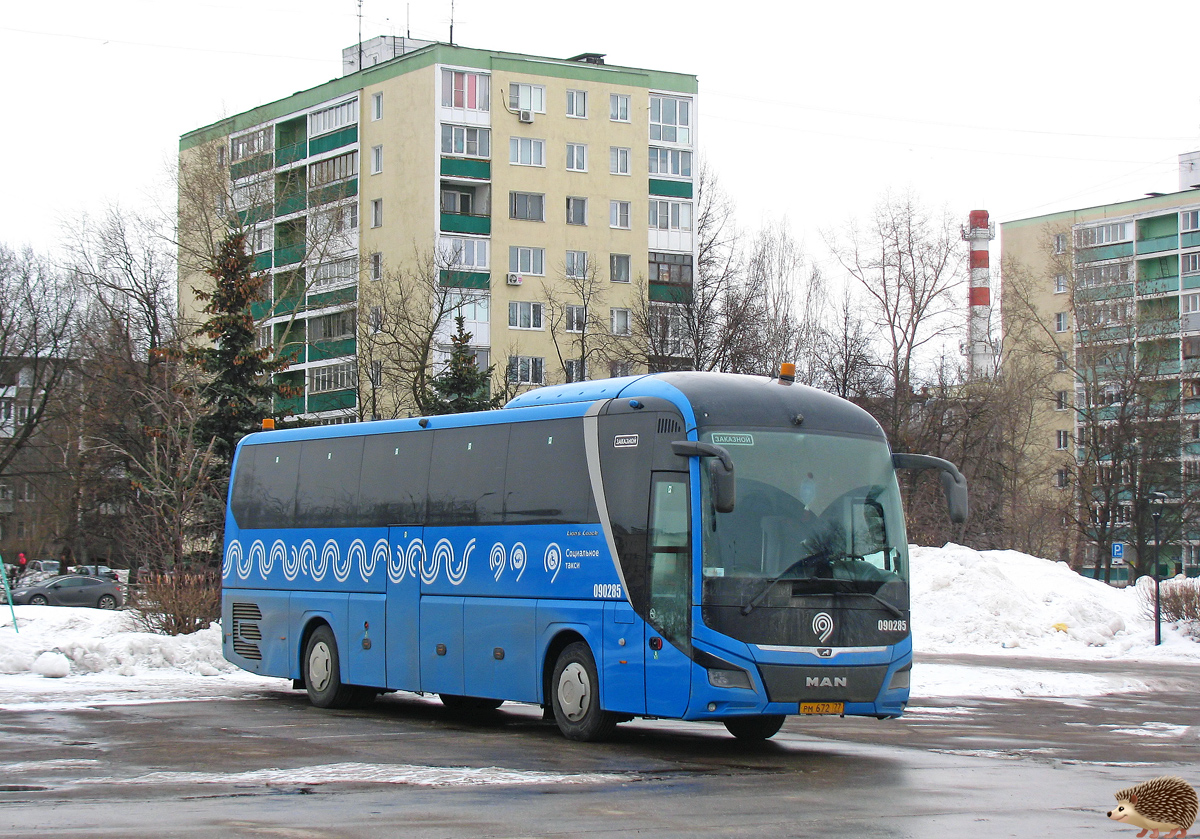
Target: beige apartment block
[(1117, 262), (525, 183)]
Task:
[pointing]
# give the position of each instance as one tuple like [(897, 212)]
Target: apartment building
[(516, 178), (1111, 286)]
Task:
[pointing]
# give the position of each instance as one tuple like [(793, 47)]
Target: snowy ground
[(998, 603)]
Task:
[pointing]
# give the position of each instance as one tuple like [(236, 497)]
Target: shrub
[(1179, 600), (177, 603)]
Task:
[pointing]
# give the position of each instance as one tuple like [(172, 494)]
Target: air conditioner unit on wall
[(513, 279), (525, 116)]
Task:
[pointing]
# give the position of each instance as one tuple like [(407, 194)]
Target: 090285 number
[(606, 590)]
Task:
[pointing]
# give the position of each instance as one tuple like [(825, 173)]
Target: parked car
[(96, 571), (50, 566), (70, 590)]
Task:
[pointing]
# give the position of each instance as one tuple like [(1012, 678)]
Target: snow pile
[(990, 602)]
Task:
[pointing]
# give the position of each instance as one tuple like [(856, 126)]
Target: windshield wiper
[(762, 592), (895, 610)]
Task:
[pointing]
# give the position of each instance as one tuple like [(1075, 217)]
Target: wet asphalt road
[(985, 768)]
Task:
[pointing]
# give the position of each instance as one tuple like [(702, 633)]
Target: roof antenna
[(451, 22), (408, 20), (360, 2)]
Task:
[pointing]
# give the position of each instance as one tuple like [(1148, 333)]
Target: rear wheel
[(576, 696), (106, 601), (755, 728), (322, 672)]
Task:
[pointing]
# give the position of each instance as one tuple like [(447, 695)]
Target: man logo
[(822, 625), (824, 682)]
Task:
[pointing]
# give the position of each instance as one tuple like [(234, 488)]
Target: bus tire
[(322, 672), (755, 728), (469, 704), (576, 696)]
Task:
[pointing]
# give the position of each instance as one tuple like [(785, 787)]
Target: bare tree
[(909, 263), (577, 319), (845, 360)]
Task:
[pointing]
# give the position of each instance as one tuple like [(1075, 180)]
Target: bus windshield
[(820, 512)]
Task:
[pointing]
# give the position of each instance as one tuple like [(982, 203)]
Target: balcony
[(462, 167), (291, 153), (1158, 244), (478, 225)]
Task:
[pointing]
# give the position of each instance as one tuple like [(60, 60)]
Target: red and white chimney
[(979, 232)]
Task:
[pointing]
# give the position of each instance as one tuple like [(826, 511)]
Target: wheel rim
[(38, 600), (319, 666), (108, 602), (574, 691)]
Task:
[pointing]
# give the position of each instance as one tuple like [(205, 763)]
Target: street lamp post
[(1158, 498)]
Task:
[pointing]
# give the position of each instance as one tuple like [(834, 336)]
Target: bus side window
[(394, 479), (466, 480), (327, 495), (276, 472), (669, 557), (547, 477)]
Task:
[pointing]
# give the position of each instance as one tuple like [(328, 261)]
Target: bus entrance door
[(668, 577), (403, 607)]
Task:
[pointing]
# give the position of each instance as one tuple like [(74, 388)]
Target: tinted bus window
[(244, 500), (395, 469), (273, 484), (466, 476), (547, 477), (327, 493)]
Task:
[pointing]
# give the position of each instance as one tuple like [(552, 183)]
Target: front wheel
[(39, 600), (322, 672), (576, 696), (755, 728)]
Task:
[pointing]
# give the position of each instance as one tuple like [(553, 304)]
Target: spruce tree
[(238, 392), (462, 386)]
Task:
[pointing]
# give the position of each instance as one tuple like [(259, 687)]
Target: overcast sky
[(808, 111)]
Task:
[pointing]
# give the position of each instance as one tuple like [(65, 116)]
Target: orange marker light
[(268, 424), (787, 372)]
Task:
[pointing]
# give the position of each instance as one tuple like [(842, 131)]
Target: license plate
[(822, 707)]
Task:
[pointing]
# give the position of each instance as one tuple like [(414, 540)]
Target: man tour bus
[(699, 546)]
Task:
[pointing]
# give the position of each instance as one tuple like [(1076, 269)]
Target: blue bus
[(698, 546)]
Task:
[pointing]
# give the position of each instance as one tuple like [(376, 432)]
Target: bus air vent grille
[(668, 425), (246, 612), (247, 650)]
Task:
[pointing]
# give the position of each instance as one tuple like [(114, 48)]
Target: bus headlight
[(900, 679), (730, 679)]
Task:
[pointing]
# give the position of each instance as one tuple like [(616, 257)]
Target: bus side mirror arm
[(954, 485), (720, 470)]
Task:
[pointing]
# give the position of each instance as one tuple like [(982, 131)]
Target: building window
[(1060, 242), (616, 369), (576, 265), (470, 91), (376, 374), (576, 210), (1060, 365), (1061, 402), (458, 201), (575, 369), (331, 327), (621, 321), (334, 169), (672, 162), (1189, 304), (464, 253), (333, 118), (577, 104), (1189, 263), (1102, 275), (1062, 440), (1103, 234), (377, 212), (248, 145), (618, 160), (376, 319), (1060, 322), (524, 151), (262, 238), (524, 315), (527, 261), (376, 106), (527, 97), (468, 142), (1189, 220), (525, 370), (671, 268), (527, 206), (331, 377), (671, 215), (1060, 283), (376, 266), (330, 274), (1060, 478), (618, 267), (263, 338), (671, 119), (618, 214), (618, 107), (576, 157), (576, 318), (376, 159)]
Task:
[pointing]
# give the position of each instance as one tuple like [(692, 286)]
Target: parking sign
[(1118, 550)]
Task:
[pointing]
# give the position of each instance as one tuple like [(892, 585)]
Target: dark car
[(96, 571), (70, 590)]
